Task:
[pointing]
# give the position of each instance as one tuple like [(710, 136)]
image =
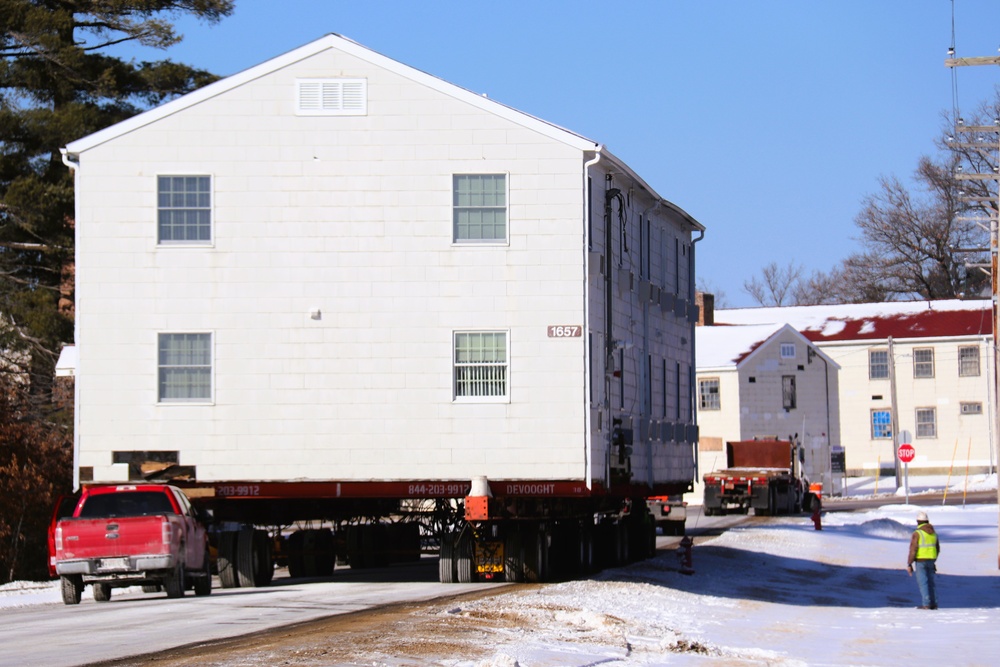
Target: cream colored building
[(766, 380), (937, 356)]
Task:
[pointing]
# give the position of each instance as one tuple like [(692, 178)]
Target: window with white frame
[(708, 394), (479, 208), (926, 422), (481, 365), (185, 367), (881, 424), (184, 209), (968, 361), (923, 362), (788, 350), (878, 364), (788, 397), (331, 97)]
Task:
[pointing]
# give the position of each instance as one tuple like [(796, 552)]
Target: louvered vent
[(332, 97)]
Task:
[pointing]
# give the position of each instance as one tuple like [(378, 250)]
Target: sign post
[(906, 452)]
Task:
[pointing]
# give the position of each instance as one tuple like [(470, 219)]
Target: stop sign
[(906, 452)]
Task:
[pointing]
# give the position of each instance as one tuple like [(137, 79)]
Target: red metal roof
[(923, 324)]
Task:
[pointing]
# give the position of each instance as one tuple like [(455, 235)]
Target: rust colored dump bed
[(759, 454)]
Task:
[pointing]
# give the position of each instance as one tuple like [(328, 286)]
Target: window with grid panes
[(708, 394), (878, 364), (968, 361), (481, 364), (185, 367), (926, 422), (479, 208), (923, 362), (184, 209), (881, 424)]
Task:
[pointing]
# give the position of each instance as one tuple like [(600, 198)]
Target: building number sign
[(565, 331)]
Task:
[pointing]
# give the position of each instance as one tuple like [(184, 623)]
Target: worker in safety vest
[(924, 550)]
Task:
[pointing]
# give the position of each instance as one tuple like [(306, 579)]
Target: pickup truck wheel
[(102, 592), (72, 588), (174, 583), (203, 585)]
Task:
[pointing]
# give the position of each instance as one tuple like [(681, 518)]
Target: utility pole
[(993, 226), (893, 412)]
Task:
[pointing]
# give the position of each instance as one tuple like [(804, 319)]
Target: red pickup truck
[(128, 535)]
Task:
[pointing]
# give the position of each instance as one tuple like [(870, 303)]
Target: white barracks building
[(335, 267)]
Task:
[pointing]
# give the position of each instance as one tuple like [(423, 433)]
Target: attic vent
[(332, 97)]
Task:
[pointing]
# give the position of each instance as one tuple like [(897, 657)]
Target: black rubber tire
[(465, 562), (536, 554), (72, 588), (226, 561), (151, 588), (263, 559), (173, 584), (325, 553), (203, 585), (102, 592), (246, 557), (446, 565), (295, 545), (513, 556)]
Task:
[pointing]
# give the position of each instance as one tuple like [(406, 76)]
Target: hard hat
[(922, 517)]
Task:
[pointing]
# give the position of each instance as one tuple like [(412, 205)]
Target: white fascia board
[(645, 186), (331, 41)]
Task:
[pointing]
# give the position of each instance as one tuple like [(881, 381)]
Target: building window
[(968, 361), (788, 350), (788, 392), (332, 97), (481, 364), (184, 209), (923, 362), (708, 393), (971, 408), (878, 364), (881, 424), (480, 208), (926, 422), (185, 367)]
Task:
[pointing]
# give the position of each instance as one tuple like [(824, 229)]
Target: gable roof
[(722, 347), (341, 43), (873, 321)]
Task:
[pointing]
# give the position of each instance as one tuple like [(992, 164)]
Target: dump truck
[(764, 474)]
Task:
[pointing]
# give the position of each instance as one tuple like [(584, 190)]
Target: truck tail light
[(59, 541), (167, 532)]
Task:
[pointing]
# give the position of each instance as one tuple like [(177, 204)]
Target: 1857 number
[(565, 331)]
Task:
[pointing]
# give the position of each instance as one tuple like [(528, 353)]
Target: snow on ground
[(770, 592)]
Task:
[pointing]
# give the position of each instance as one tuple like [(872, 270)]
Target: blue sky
[(769, 121)]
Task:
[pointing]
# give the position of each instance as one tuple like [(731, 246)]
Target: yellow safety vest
[(927, 547)]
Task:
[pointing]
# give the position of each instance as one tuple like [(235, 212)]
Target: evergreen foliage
[(58, 83)]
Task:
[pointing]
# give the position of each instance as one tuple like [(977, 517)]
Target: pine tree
[(58, 84)]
